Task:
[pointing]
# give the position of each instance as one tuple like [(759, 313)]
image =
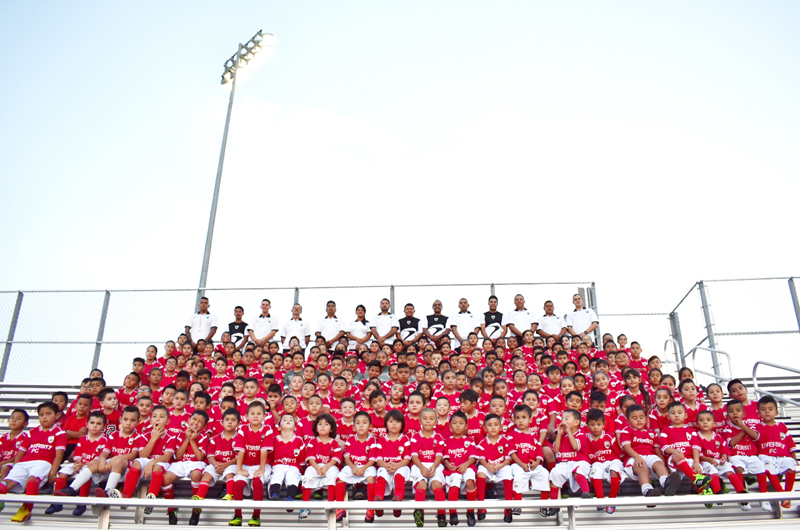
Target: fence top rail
[(749, 279), (193, 290)]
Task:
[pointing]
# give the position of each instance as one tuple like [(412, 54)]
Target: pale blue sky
[(648, 145)]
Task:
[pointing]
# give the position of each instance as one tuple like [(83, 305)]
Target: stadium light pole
[(261, 46)]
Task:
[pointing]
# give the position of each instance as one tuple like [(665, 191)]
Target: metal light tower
[(261, 46)]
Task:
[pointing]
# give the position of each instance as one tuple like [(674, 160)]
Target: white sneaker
[(767, 507), (114, 493), (149, 509), (745, 507)]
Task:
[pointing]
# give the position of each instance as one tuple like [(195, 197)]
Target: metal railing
[(716, 374), (676, 352), (760, 391)]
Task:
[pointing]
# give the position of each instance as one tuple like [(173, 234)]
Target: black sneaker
[(672, 484), (195, 518), (441, 521), (586, 495), (419, 518), (470, 518), (552, 512), (453, 519), (507, 517), (481, 515), (173, 518), (516, 511), (491, 493), (654, 492), (65, 492), (79, 510)]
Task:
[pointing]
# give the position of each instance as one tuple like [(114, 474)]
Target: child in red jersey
[(108, 404), (634, 388), (416, 402), (604, 456), (377, 400), (475, 418), (397, 398), (714, 455), (305, 426), (494, 463), (190, 455), (253, 443), (681, 447), (75, 424), (323, 456), (426, 455), (127, 394), (571, 453), (345, 426), (288, 454), (459, 460), (178, 416), (145, 406), (393, 457), (689, 394), (38, 458), (9, 441), (717, 408), (85, 460), (221, 461), (154, 457), (639, 445), (526, 455), (359, 461), (443, 412), (776, 447), (659, 417), (739, 438), (122, 447)]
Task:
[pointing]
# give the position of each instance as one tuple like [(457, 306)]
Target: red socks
[(481, 489), (471, 496), (597, 484), (380, 488), (169, 493), (452, 495), (582, 482), (341, 491), (762, 482), (438, 494), (615, 483), (131, 480), (371, 492), (555, 492), (331, 493), (238, 494), (790, 476), (258, 493), (508, 489), (306, 494), (60, 483), (399, 486), (31, 488), (736, 482), (202, 489), (715, 484), (85, 489), (775, 481), (156, 481), (544, 496), (684, 467)]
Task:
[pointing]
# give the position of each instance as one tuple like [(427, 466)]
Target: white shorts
[(404, 472), (282, 474), (314, 481), (602, 470), (649, 460), (525, 481), (751, 465), (563, 472), (144, 461), (184, 469), (504, 473), (230, 470), (457, 480), (250, 471), (346, 475), (778, 465), (22, 471), (416, 476), (711, 469), (69, 470)]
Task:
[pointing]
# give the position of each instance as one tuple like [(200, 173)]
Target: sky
[(642, 146)]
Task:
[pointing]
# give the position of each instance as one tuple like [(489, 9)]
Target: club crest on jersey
[(688, 436), (130, 440), (184, 424), (607, 444), (500, 449), (50, 439), (783, 436), (296, 453), (716, 443)]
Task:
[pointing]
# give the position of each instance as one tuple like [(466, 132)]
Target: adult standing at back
[(463, 323), (582, 320), (520, 319), (201, 325), (436, 326), (360, 330), (330, 328), (410, 326), (265, 327), (295, 327), (385, 324), (492, 326), (238, 328), (551, 325)]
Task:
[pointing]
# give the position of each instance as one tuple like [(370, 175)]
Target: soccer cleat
[(275, 497), (79, 510), (507, 517), (419, 518), (611, 509), (453, 519), (745, 507), (369, 517), (653, 492), (786, 504), (254, 521), (198, 511), (236, 521), (470, 518), (516, 511), (100, 493), (317, 495), (2, 506), (54, 508), (601, 508), (441, 521), (767, 507), (340, 515), (227, 497), (22, 515), (195, 518), (491, 493), (542, 511), (586, 495), (482, 514), (397, 513), (303, 514), (149, 509), (66, 492), (378, 513), (672, 484), (173, 518), (701, 481)]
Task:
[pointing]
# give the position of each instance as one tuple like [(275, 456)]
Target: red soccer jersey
[(251, 443), (73, 423), (745, 446), (177, 423), (691, 415), (393, 451), (305, 429), (658, 421), (458, 450), (720, 419), (713, 448), (642, 441), (442, 429), (291, 453), (221, 448), (526, 446), (378, 427), (412, 426), (334, 406), (164, 444), (125, 399), (427, 449), (87, 450), (684, 439), (774, 440), (567, 453), (117, 444), (112, 423), (360, 452), (40, 444), (189, 455), (454, 398), (494, 453), (475, 426), (604, 449), (322, 452), (621, 423), (9, 446)]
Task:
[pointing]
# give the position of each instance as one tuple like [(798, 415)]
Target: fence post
[(712, 343), (591, 301), (100, 330), (793, 291), (391, 299), (11, 330), (296, 295), (675, 327), (491, 289)]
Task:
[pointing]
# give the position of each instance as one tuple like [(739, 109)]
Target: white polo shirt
[(551, 325), (329, 327), (581, 320), (465, 323), (522, 320), (200, 325), (295, 328), (383, 324), (262, 325), (359, 329)]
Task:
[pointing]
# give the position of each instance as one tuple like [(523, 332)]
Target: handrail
[(717, 377), (676, 348), (758, 390)]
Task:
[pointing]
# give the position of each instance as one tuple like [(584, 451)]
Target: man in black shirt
[(437, 324), (492, 327), (410, 327), (237, 328)]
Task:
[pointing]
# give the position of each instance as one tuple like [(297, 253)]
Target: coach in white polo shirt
[(385, 324), (551, 324), (330, 328), (201, 325), (296, 327), (583, 320), (463, 323), (265, 327), (520, 319)]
